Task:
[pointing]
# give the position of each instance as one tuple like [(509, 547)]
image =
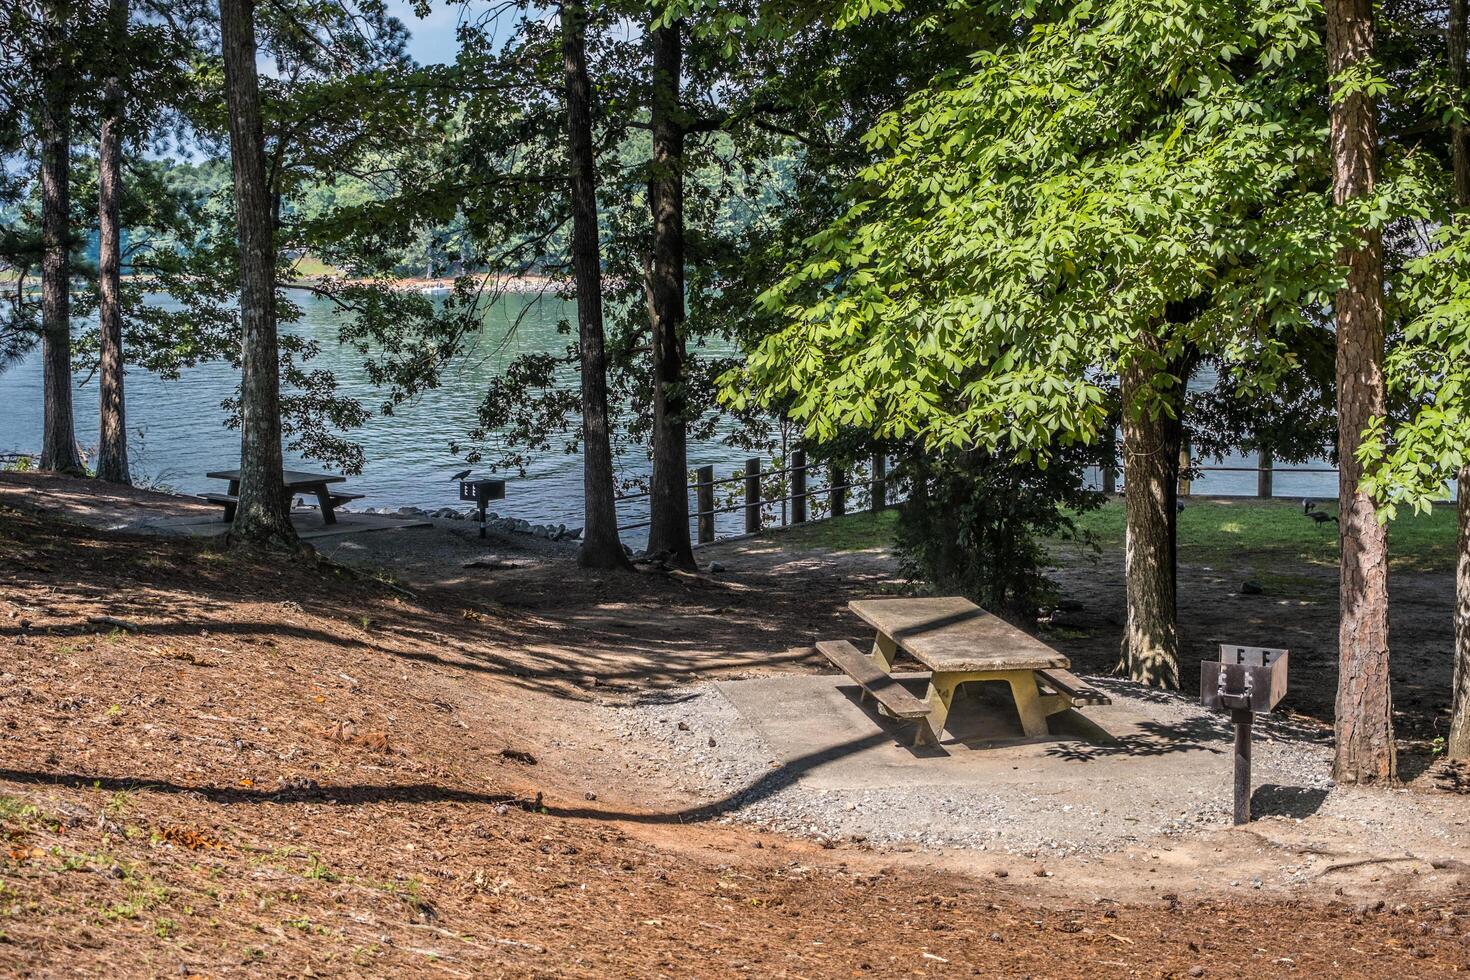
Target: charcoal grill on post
[(481, 492), (1244, 680)]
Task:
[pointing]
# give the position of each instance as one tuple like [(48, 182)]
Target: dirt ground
[(1298, 611), (221, 763)]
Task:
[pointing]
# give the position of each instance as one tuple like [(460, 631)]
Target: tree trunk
[(601, 546), (112, 451), (668, 498), (58, 437), (263, 515), (1151, 442), (1364, 722), (1457, 746)]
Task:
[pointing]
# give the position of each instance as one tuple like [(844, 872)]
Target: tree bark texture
[(668, 498), (112, 450), (1457, 745), (1151, 443), (1364, 716), (601, 546), (58, 436), (263, 515)]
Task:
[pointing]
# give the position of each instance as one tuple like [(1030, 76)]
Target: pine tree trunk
[(1151, 442), (668, 499), (112, 450), (1457, 745), (1364, 722), (263, 515), (58, 437), (601, 546)]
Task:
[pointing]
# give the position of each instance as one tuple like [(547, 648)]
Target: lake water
[(177, 431)]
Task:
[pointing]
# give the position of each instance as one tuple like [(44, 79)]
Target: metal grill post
[(1242, 717), (837, 478), (704, 502), (798, 486), (752, 496), (1243, 681), (879, 497), (1264, 474), (481, 492)]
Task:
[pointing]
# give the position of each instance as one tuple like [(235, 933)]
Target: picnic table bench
[(294, 481), (959, 642)]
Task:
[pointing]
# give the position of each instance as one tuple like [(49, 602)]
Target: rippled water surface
[(177, 430)]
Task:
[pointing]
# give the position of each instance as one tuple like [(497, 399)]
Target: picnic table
[(294, 481), (959, 642)]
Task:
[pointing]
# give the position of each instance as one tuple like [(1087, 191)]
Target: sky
[(433, 38)]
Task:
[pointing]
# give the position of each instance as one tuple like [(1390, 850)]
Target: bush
[(974, 521)]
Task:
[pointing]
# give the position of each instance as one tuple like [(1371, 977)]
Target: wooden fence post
[(704, 502), (1110, 465), (798, 486), (878, 498), (1264, 474), (752, 496), (837, 480), (1185, 462)]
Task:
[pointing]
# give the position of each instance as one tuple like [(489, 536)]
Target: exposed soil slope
[(230, 764)]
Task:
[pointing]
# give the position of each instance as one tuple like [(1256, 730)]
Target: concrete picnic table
[(959, 642), (295, 481)]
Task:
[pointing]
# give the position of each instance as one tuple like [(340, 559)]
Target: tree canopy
[(1036, 213)]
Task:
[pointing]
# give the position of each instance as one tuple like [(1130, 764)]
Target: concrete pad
[(818, 725), (308, 524)]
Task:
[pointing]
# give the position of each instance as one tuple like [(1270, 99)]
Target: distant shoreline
[(521, 284)]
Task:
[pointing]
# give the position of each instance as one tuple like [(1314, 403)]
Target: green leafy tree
[(1411, 456), (1412, 451), (1119, 193), (974, 522)]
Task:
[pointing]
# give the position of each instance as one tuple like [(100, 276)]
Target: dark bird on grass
[(1308, 505), (462, 474), (1320, 518), (1178, 506)]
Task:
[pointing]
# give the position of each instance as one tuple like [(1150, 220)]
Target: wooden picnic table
[(959, 642), (294, 481)]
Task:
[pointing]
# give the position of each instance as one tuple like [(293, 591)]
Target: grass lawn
[(309, 266), (856, 532), (1211, 531)]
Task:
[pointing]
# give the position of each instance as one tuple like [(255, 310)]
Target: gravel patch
[(702, 748)]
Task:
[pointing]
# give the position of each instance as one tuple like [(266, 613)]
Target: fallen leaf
[(187, 837)]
